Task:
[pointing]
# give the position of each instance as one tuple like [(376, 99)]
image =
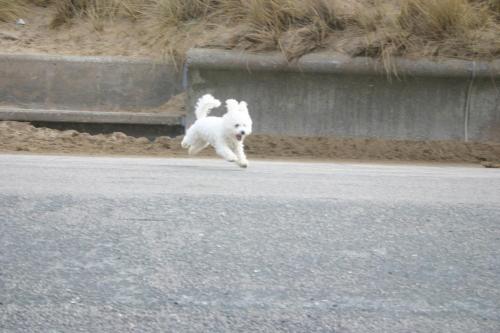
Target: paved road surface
[(175, 245)]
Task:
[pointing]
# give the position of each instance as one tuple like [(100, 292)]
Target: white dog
[(226, 134)]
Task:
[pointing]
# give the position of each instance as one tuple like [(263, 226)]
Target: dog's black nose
[(242, 132)]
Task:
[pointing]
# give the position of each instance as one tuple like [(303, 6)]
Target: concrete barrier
[(85, 83), (150, 125), (330, 95), (94, 117)]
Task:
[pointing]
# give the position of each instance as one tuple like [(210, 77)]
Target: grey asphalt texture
[(95, 244)]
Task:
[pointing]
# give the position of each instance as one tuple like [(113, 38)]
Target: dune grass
[(467, 29), (377, 28), (95, 10)]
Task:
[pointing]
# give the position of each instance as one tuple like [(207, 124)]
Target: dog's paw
[(243, 164), (231, 158)]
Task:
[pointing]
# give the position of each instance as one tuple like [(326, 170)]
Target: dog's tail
[(205, 104)]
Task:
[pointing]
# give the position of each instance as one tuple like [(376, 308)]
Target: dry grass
[(69, 9), (463, 29), (292, 26), (376, 28), (495, 5), (42, 3), (456, 28), (174, 12), (11, 9), (96, 10)]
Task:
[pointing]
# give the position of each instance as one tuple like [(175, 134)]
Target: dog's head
[(237, 121)]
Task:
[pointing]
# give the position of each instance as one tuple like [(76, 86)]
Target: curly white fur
[(226, 134), (205, 105)]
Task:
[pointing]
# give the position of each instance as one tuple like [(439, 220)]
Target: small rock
[(142, 140), (71, 133), (20, 22), (119, 136), (488, 164), (164, 142)]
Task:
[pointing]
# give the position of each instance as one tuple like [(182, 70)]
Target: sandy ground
[(22, 137), (175, 106), (120, 37)]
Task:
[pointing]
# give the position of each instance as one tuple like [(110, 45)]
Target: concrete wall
[(330, 95), (85, 83)]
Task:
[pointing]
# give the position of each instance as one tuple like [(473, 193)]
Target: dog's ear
[(244, 106), (232, 104)]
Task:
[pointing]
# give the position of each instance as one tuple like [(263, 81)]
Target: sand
[(119, 37), (23, 137)]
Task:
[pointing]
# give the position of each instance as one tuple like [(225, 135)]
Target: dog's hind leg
[(185, 142), (197, 147), (190, 138)]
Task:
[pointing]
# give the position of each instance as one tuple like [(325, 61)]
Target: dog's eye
[(237, 125)]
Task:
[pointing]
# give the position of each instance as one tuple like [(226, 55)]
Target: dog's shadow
[(209, 168)]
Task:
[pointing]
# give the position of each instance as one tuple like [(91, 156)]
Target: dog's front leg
[(240, 153), (225, 152)]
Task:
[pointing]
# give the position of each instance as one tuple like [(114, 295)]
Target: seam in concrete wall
[(468, 97), (185, 71)]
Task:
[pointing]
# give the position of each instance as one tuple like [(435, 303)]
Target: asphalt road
[(92, 244)]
